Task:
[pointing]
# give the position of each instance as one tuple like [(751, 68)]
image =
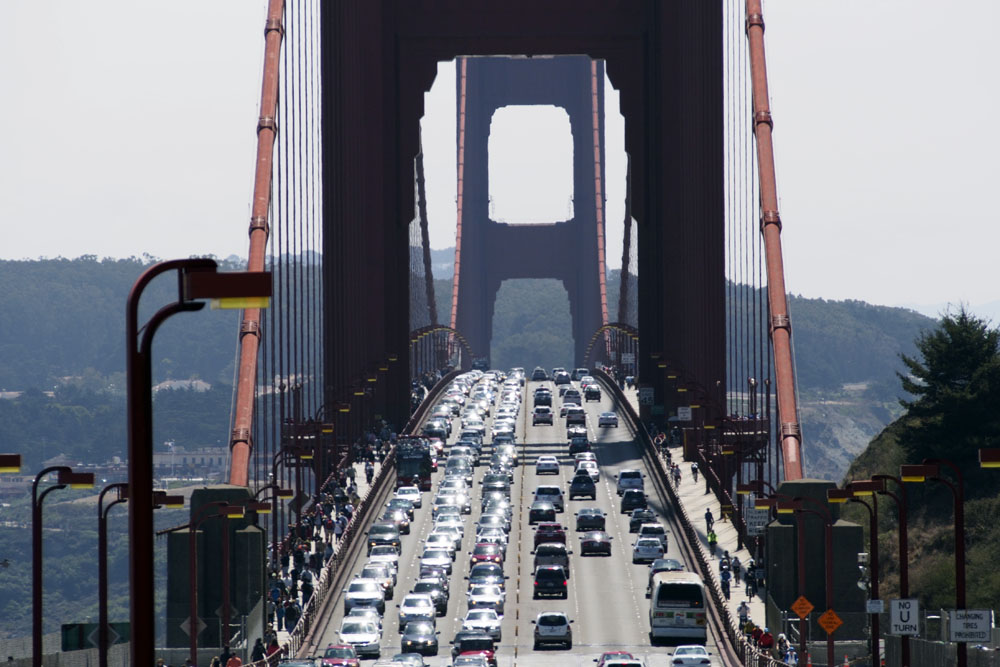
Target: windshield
[(383, 531), (383, 551), (357, 628), (680, 595), (483, 615), (419, 628), (436, 553), (416, 602), (630, 474), (363, 587), (551, 620), (689, 650), (339, 653)]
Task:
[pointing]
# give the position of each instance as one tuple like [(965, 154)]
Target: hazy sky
[(129, 127)]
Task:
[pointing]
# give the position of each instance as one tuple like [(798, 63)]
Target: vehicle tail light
[(565, 582)]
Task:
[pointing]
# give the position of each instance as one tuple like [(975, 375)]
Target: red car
[(486, 552), (340, 655), (614, 655), (549, 532)]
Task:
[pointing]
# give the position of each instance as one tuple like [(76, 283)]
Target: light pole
[(196, 279), (66, 477), (931, 469), (904, 561), (102, 566), (859, 490), (279, 492)]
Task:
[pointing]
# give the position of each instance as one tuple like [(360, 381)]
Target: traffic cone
[(847, 663), (809, 660)]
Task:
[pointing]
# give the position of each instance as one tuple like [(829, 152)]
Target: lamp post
[(196, 279), (904, 563), (279, 492), (102, 566), (281, 457), (860, 490), (931, 469), (66, 477)]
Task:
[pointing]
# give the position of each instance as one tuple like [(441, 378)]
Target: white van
[(654, 530), (677, 606), (629, 479)]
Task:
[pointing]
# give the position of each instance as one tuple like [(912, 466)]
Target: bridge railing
[(331, 574), (745, 651)]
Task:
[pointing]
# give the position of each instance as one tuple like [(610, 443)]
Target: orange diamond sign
[(829, 621), (802, 606)]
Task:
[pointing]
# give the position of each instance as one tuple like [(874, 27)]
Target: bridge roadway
[(606, 596)]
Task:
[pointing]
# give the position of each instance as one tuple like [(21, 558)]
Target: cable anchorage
[(781, 322), (754, 20), (267, 123), (249, 328), (259, 222), (274, 25), (791, 430), (769, 218)]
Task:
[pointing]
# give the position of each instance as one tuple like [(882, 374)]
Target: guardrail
[(743, 650)]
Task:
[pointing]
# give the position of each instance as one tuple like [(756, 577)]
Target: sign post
[(904, 617)]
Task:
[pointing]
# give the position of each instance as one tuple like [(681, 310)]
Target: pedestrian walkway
[(696, 498)]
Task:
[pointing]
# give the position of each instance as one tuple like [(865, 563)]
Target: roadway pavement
[(606, 596)]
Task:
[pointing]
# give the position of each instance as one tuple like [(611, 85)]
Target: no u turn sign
[(904, 617)]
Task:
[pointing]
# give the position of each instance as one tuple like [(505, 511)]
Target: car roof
[(560, 614)]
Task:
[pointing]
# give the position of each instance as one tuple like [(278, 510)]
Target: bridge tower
[(488, 251)]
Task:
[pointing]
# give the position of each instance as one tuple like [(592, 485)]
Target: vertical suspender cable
[(780, 324)]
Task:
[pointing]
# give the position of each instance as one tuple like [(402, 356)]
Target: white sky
[(129, 127)]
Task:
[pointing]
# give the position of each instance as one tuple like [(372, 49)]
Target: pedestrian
[(713, 541), (234, 661), (338, 529), (743, 611), (782, 645), (280, 613), (694, 471), (273, 647), (349, 510), (369, 472), (725, 577), (351, 473), (327, 553), (307, 591), (791, 657), (735, 565), (709, 519), (257, 654), (216, 661), (677, 474)]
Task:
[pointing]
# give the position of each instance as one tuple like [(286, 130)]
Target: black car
[(543, 398), (471, 640), (420, 637), (578, 444), (596, 542), (439, 596), (592, 393), (539, 374), (486, 574), (582, 486), (383, 532), (562, 377), (590, 518), (639, 517), (633, 499), (551, 580), (541, 511)]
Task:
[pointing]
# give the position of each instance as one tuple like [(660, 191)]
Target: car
[(691, 654), (539, 375), (562, 377), (381, 572), (407, 660), (575, 431), (495, 537), (551, 553), (639, 517), (579, 373), (485, 552), (542, 414), (542, 398), (417, 607), (473, 643), (494, 520), (595, 542), (590, 518), (363, 636), (632, 499), (609, 419), (582, 486), (578, 444), (572, 395), (546, 465), (541, 511), (437, 592), (552, 627), (439, 557), (486, 597), (442, 541), (576, 416), (473, 660), (485, 620), (549, 532), (592, 393), (654, 530), (411, 493), (383, 532), (612, 657), (550, 494), (628, 479), (566, 405), (584, 456), (366, 614), (662, 565), (646, 550), (399, 519), (420, 637), (339, 655), (551, 580), (487, 574), (591, 468), (385, 555), (364, 593)]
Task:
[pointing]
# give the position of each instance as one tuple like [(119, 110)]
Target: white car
[(365, 614), (552, 627), (416, 607), (444, 541), (646, 550), (607, 419), (451, 522), (363, 635), (629, 479), (591, 468), (364, 593), (547, 465), (384, 554), (485, 620), (566, 406), (584, 456), (486, 596), (410, 493), (550, 494), (691, 654), (438, 557), (454, 534)]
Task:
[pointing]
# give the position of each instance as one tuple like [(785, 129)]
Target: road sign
[(970, 625), (829, 621), (78, 636), (904, 617), (186, 626), (756, 520), (802, 606), (684, 414), (875, 606), (628, 357), (645, 395)]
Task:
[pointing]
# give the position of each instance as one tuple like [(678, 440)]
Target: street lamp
[(74, 480), (904, 565), (931, 469), (10, 463), (989, 458), (102, 566), (859, 490), (196, 279)]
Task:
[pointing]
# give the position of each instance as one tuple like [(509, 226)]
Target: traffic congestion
[(523, 529)]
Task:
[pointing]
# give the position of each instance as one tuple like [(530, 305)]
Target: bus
[(413, 463), (677, 606)]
